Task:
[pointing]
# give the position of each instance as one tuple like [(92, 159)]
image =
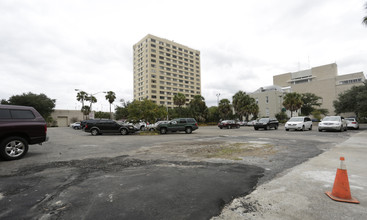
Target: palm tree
[(110, 97), (180, 100), (92, 99), (292, 102), (239, 101), (225, 109), (81, 97)]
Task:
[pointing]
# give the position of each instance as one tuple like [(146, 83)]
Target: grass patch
[(148, 133)]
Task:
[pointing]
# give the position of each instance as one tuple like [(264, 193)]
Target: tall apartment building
[(163, 68), (323, 81)]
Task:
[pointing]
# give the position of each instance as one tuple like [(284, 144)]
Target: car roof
[(15, 107)]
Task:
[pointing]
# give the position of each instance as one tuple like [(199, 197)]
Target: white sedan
[(336, 123), (352, 123)]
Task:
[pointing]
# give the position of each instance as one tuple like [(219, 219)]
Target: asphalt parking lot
[(173, 176)]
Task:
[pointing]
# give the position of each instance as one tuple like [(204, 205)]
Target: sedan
[(352, 123), (76, 125), (333, 123), (266, 123), (228, 124)]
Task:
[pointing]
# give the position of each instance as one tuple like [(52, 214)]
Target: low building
[(322, 81), (64, 118)]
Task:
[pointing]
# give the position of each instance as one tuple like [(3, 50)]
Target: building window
[(267, 99)]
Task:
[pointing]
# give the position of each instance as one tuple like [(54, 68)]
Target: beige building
[(64, 118), (270, 100), (323, 81), (163, 68)]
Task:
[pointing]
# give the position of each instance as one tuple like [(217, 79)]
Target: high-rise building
[(163, 68)]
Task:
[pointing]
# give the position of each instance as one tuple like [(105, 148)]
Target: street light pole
[(218, 98)]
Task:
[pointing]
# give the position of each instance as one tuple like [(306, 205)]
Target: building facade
[(163, 68), (323, 81)]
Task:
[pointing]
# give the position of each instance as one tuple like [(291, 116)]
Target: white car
[(352, 123), (336, 123), (152, 127), (299, 123), (76, 125)]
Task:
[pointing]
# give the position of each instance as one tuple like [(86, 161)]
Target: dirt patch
[(207, 149)]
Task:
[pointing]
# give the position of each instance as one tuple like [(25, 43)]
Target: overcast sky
[(54, 47)]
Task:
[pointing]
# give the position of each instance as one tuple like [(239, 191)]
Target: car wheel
[(310, 128), (286, 129), (221, 127), (188, 130), (142, 128), (256, 129), (13, 148), (267, 127), (303, 128), (94, 132), (163, 131), (238, 126), (341, 128), (124, 131), (229, 127), (151, 129), (345, 128), (276, 127), (320, 130)]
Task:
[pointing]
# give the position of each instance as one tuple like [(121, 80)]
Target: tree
[(110, 97), (86, 110), (252, 109), (309, 101), (81, 97), (241, 103), (43, 104), (353, 100), (102, 115), (213, 114), (198, 108), (179, 99), (91, 99), (225, 109), (146, 110), (292, 102), (121, 112)]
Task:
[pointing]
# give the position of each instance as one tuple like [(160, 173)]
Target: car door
[(181, 125), (174, 125), (308, 122)]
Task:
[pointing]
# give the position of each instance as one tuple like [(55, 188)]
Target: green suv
[(178, 124)]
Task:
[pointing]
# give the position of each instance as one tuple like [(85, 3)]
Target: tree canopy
[(43, 104), (309, 100), (353, 100), (198, 108), (146, 110), (292, 102), (225, 109), (110, 97)]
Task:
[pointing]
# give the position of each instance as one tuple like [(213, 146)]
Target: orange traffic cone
[(341, 190)]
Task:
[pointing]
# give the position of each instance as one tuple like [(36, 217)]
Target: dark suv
[(20, 126), (96, 127), (178, 124), (266, 123)]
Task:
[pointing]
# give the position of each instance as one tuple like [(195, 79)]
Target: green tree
[(81, 97), (179, 99), (198, 108), (91, 99), (353, 100), (86, 110), (43, 104), (252, 109), (241, 103), (121, 112), (100, 114), (146, 110), (292, 102), (318, 112), (225, 109), (309, 100), (213, 114), (110, 97)]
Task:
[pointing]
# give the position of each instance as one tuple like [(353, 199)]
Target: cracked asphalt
[(173, 176)]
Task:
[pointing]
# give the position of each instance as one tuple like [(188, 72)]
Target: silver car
[(352, 123), (299, 123), (333, 123)]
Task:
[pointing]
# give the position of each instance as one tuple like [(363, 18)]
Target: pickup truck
[(20, 126)]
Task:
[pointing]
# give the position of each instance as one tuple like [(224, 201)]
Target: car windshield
[(296, 119), (349, 119), (264, 120), (331, 118)]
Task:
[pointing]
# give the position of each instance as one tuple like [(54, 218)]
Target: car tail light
[(86, 126), (196, 124), (354, 122)]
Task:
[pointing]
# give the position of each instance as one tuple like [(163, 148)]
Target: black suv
[(20, 126), (96, 127), (266, 123), (178, 124)]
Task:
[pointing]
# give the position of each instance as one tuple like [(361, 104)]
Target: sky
[(56, 46)]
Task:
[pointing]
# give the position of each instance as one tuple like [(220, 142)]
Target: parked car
[(242, 123), (352, 123), (76, 125), (266, 123), (251, 123), (228, 124), (178, 124), (336, 123), (153, 127), (96, 127), (299, 123), (20, 126)]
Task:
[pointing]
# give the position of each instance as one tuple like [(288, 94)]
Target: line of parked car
[(302, 123)]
